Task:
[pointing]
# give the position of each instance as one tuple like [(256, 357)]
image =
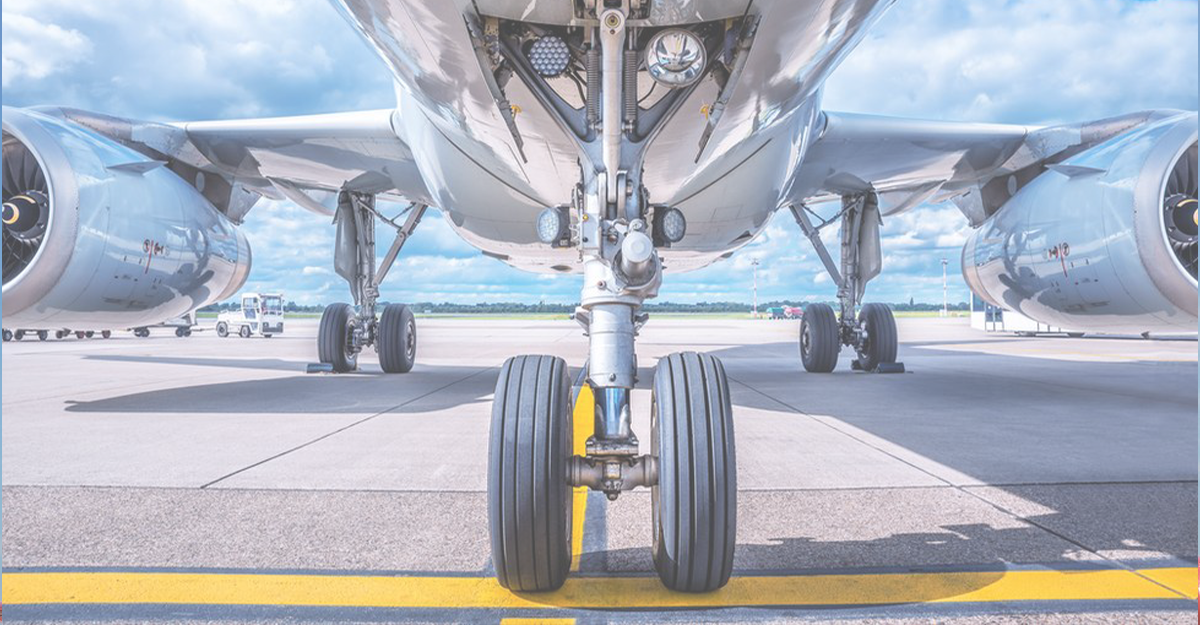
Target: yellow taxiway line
[(595, 592), (584, 424)]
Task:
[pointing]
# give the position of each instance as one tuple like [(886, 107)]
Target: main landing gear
[(690, 467), (346, 330), (872, 333)]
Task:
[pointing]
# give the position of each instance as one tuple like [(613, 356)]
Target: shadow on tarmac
[(966, 410)]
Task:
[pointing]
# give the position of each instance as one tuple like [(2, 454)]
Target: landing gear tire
[(694, 505), (244, 332), (19, 335), (43, 335), (179, 333), (106, 334), (529, 501), (60, 334), (8, 335), (397, 339), (333, 338), (879, 345), (819, 340), (222, 329)]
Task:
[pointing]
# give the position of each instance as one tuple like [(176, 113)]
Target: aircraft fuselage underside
[(494, 156)]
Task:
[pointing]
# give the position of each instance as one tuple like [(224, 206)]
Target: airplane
[(620, 141)]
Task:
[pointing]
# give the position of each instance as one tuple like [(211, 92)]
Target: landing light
[(549, 56), (552, 225), (675, 57), (670, 224)]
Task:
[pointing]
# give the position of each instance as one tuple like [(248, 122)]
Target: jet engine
[(1104, 241), (99, 236)]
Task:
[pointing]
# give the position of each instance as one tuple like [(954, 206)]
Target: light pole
[(945, 291), (754, 264)]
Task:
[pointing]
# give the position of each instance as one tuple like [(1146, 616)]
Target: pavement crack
[(343, 428)]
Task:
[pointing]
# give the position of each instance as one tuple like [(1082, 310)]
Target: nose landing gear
[(690, 467)]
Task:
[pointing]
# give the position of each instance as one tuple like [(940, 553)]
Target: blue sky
[(1016, 61)]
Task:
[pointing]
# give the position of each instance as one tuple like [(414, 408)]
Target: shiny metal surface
[(352, 151), (612, 64), (129, 243), (761, 134), (1084, 246)]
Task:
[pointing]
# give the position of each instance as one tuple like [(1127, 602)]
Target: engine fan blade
[(10, 176)]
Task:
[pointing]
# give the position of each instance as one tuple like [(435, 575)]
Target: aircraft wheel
[(819, 340), (8, 335), (179, 332), (334, 336), (222, 329), (694, 505), (529, 501), (43, 335), (397, 339), (19, 335), (881, 340), (244, 332), (106, 334)]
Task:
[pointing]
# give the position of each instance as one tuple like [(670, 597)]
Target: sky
[(1011, 61)]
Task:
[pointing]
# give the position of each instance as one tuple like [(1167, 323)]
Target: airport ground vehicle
[(182, 325), (261, 314), (17, 335), (653, 137)]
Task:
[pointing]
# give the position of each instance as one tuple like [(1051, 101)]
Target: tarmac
[(198, 480)]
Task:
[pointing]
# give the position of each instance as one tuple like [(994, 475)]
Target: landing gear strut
[(872, 331), (347, 330), (690, 467)]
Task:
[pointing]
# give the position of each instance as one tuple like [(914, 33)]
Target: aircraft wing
[(907, 162), (305, 159)]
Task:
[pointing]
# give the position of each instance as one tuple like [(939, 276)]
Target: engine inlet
[(1180, 206), (26, 207)]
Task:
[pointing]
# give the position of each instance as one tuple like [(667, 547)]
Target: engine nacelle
[(1103, 242), (98, 236)]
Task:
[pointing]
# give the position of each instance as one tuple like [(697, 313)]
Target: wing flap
[(907, 161), (299, 158)]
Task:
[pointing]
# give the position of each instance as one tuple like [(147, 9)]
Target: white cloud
[(192, 59), (34, 50), (1022, 61)]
